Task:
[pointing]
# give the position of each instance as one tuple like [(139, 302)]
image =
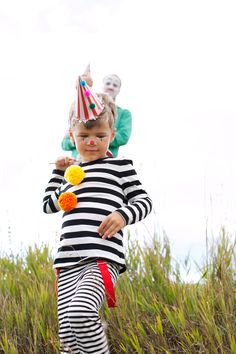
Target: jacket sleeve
[(52, 192), (66, 144), (139, 202), (123, 130)]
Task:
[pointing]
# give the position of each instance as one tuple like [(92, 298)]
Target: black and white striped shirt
[(110, 184)]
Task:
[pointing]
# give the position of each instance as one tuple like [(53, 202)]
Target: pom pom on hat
[(67, 201), (74, 174)]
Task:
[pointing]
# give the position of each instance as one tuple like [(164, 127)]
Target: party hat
[(88, 105)]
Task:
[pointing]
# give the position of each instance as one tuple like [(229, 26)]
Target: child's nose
[(91, 142)]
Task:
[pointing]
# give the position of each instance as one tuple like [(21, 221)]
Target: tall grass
[(157, 311), (28, 318)]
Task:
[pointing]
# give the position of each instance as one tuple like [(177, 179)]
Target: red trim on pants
[(107, 280), (108, 283)]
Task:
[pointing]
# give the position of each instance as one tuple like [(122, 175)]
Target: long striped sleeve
[(52, 192), (140, 204)]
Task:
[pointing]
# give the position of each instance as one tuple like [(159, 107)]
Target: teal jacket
[(123, 127), (68, 145)]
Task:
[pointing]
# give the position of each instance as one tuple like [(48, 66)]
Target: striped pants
[(81, 293)]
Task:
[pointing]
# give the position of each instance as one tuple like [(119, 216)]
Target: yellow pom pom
[(74, 175), (67, 201)]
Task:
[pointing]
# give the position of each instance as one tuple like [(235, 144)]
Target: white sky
[(176, 60)]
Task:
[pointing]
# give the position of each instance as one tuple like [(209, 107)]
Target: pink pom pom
[(87, 93)]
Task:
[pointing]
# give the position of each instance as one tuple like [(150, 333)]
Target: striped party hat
[(88, 105)]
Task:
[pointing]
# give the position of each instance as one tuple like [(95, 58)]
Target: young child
[(91, 255), (123, 123)]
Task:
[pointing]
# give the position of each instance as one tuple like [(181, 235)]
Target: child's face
[(111, 86), (92, 144)]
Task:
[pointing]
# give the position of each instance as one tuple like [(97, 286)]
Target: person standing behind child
[(105, 198), (123, 124)]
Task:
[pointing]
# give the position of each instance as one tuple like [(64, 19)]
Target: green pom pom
[(92, 105)]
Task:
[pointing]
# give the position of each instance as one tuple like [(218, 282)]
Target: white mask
[(111, 85)]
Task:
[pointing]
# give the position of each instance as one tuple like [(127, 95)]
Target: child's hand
[(111, 225), (63, 162)]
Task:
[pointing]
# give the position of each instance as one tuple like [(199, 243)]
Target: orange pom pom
[(67, 201)]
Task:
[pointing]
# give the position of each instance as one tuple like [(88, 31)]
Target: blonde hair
[(108, 114)]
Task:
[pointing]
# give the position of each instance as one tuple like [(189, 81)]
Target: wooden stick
[(53, 163)]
